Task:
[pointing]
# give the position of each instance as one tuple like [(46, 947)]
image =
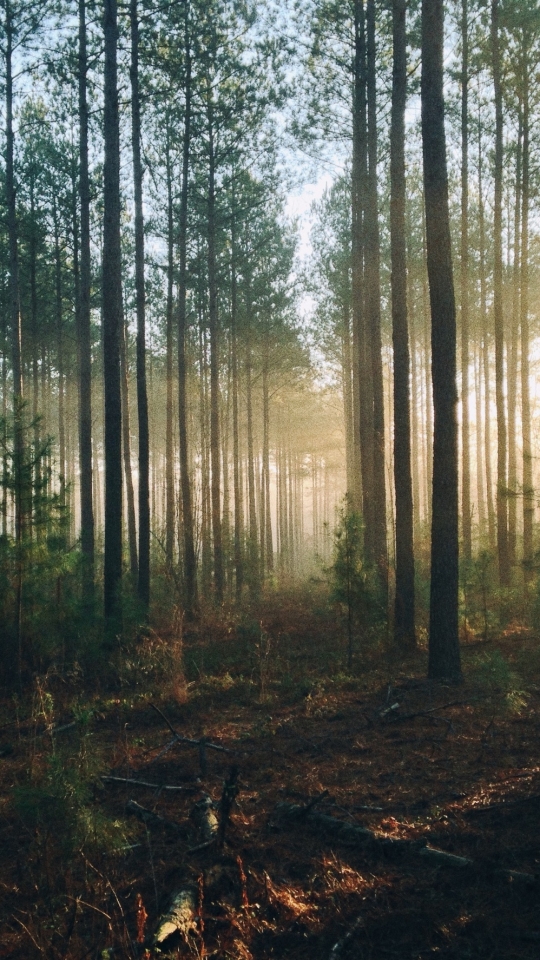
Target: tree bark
[(143, 583), (464, 265), (84, 341), (502, 497), (404, 635), (126, 448), (237, 466), (513, 348), (373, 307), (169, 451), (528, 490), (190, 562), (485, 348), (444, 657), (363, 393), (214, 354), (112, 327)]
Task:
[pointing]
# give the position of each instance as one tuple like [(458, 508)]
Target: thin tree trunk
[(513, 347), (128, 473), (169, 452), (373, 306), (237, 478), (465, 428), (214, 355), (84, 343), (404, 635), (502, 498), (444, 657), (252, 544), (485, 349), (112, 327), (361, 343), (528, 490), (190, 562), (143, 583)]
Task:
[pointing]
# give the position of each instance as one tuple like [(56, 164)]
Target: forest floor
[(457, 768)]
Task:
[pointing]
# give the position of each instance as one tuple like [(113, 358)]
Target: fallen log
[(355, 834), (205, 820), (181, 917)]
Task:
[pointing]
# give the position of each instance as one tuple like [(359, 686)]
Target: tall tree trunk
[(373, 306), (361, 342), (268, 543), (480, 488), (348, 413), (190, 562), (143, 583), (169, 451), (252, 544), (528, 490), (464, 265), (404, 634), (502, 497), (214, 354), (444, 657), (84, 343), (485, 347), (237, 477), (60, 355), (513, 347), (126, 446), (112, 327), (15, 314)]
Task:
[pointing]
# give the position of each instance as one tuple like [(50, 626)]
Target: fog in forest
[(269, 458)]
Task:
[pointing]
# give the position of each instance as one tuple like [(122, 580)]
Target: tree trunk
[(84, 342), (444, 657), (513, 347), (237, 467), (404, 634), (465, 429), (190, 562), (253, 559), (373, 306), (143, 583), (214, 355), (502, 498), (169, 452), (485, 348), (112, 328), (528, 490), (361, 343), (126, 444)]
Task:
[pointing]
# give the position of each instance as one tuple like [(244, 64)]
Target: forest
[(269, 531)]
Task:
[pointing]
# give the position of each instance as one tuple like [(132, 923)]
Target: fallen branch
[(353, 833), (148, 817), (426, 713), (178, 738), (150, 786), (339, 947), (181, 917)]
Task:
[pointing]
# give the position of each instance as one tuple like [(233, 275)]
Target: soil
[(456, 767)]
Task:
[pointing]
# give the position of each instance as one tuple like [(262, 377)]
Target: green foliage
[(59, 802), (39, 564), (495, 678), (355, 587)]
